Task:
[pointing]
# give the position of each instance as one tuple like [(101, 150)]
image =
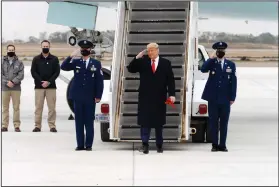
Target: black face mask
[(11, 54), (45, 50), (220, 54), (85, 52)]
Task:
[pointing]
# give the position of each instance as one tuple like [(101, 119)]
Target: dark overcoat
[(154, 89)]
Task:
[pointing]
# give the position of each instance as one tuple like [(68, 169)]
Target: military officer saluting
[(220, 92), (86, 90)]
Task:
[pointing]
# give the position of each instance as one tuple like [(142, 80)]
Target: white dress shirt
[(222, 62), (87, 62)]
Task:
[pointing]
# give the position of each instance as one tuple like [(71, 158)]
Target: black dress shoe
[(53, 130), (88, 148), (214, 148), (159, 149), (36, 129), (4, 129), (145, 149), (223, 149), (79, 149)]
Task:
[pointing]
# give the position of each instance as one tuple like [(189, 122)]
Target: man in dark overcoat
[(157, 83)]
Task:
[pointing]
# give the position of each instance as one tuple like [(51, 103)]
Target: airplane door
[(72, 14)]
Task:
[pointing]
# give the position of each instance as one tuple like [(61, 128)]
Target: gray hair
[(152, 45)]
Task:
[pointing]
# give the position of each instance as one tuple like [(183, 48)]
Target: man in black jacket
[(45, 69)]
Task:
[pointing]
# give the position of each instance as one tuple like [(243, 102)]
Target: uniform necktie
[(153, 66), (221, 65)]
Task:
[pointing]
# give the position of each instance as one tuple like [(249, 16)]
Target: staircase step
[(160, 44), (134, 133), (136, 114), (158, 26), (158, 21), (135, 126), (158, 4), (132, 96), (127, 107), (158, 10), (157, 32), (157, 15), (159, 38), (132, 120)]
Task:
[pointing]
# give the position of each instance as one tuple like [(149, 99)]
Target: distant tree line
[(263, 38), (204, 37)]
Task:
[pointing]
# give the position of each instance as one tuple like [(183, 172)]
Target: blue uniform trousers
[(84, 116), (218, 115), (145, 135)]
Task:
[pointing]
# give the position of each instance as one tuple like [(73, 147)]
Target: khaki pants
[(40, 95), (6, 97)]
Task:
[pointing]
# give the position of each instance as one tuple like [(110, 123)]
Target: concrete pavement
[(49, 159)]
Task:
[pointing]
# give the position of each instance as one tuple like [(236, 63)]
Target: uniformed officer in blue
[(220, 92), (86, 90)]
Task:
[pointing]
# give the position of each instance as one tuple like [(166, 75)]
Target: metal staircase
[(166, 24)]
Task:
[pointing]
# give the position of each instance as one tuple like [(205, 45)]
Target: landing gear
[(105, 132)]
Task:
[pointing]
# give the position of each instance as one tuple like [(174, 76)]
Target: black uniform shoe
[(4, 129), (88, 148), (53, 130), (36, 129), (214, 148), (79, 149), (160, 150), (145, 149), (223, 149), (17, 129)]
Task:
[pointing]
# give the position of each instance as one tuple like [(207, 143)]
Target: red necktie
[(153, 66)]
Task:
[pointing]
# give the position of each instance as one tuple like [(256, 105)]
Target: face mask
[(85, 52), (220, 54), (11, 54), (45, 50)]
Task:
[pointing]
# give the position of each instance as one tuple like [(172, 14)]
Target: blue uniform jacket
[(88, 83), (221, 85)]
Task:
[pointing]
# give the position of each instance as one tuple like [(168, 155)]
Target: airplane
[(73, 16)]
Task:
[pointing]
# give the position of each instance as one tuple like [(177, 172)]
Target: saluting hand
[(76, 53), (140, 54), (213, 54)]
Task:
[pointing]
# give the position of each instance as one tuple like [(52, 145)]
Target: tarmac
[(49, 159)]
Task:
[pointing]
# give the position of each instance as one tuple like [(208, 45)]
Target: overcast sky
[(22, 19)]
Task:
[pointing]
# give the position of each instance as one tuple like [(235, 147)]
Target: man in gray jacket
[(12, 75)]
